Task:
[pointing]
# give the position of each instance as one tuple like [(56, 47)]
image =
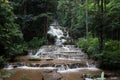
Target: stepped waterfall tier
[(59, 63), (61, 58)]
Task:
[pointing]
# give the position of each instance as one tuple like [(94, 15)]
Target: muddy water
[(65, 62), (70, 74)]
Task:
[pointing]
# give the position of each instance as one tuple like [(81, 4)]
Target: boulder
[(51, 75)]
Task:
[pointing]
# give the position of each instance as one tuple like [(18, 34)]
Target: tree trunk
[(101, 11)]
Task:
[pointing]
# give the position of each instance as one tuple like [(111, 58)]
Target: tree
[(71, 14), (99, 17), (34, 16), (10, 34), (106, 21)]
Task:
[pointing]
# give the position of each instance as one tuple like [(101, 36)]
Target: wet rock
[(46, 65), (51, 75), (98, 77), (114, 78), (1, 78), (76, 65), (49, 59), (90, 77), (15, 66)]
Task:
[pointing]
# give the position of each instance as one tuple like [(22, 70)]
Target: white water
[(39, 52), (9, 67), (26, 67), (77, 70), (58, 52), (60, 69), (56, 31), (66, 48)]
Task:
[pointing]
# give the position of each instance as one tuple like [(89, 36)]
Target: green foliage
[(5, 74), (34, 16), (111, 55), (81, 43), (109, 20), (2, 62), (10, 35), (112, 45), (35, 43), (15, 50), (111, 60), (103, 20), (91, 47), (71, 14), (25, 78)]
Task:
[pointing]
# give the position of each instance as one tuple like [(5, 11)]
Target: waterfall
[(39, 52), (55, 30), (87, 64), (66, 48), (63, 52)]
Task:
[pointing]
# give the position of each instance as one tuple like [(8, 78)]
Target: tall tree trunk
[(87, 22), (101, 8), (101, 30), (46, 23)]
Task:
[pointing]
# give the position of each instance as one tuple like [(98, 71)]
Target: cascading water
[(64, 52), (55, 30), (39, 51)]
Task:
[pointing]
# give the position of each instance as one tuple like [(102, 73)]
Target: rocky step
[(51, 75)]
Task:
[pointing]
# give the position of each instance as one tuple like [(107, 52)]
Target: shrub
[(110, 60), (25, 78), (91, 48), (6, 74), (112, 45), (35, 42), (2, 62), (111, 55), (81, 43)]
